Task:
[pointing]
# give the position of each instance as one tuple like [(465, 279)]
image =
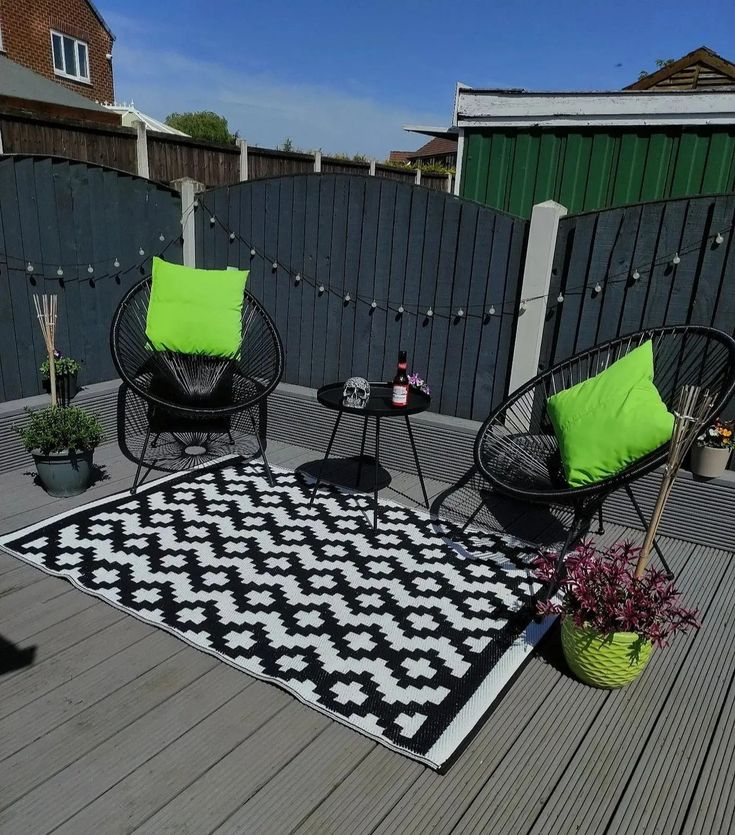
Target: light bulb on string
[(348, 298), (676, 259), (90, 269), (297, 278), (274, 265), (141, 251), (116, 263), (161, 237), (560, 298), (321, 289), (373, 304), (60, 272), (491, 312), (212, 220), (460, 313), (29, 268), (400, 309), (252, 253), (636, 275), (719, 238), (598, 287), (232, 236), (429, 313)]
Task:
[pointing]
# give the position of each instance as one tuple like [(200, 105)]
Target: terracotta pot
[(603, 660), (709, 461)]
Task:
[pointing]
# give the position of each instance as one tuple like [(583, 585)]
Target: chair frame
[(588, 500), (161, 409)]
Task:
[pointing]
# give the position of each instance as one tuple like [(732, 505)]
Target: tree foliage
[(202, 124)]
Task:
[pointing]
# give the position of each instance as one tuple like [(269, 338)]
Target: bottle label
[(400, 395)]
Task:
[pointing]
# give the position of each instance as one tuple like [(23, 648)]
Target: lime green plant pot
[(603, 660)]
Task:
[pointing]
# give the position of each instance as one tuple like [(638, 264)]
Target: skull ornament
[(356, 393)]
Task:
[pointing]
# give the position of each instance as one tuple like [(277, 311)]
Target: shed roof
[(699, 69)]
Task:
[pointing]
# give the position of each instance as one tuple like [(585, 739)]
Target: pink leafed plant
[(600, 590)]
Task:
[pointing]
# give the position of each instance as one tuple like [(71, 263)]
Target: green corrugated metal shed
[(594, 168)]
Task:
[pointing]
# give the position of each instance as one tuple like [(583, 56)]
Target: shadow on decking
[(13, 658)]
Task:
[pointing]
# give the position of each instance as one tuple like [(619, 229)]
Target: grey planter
[(67, 386), (709, 462), (64, 473)]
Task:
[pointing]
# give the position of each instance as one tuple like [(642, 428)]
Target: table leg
[(326, 455), (377, 470), (418, 463), (362, 453)]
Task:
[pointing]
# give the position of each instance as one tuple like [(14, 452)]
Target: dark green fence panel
[(57, 213), (377, 240)]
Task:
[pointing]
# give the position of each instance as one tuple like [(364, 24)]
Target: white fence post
[(141, 149), (243, 145), (317, 162), (372, 167), (540, 249), (449, 183), (418, 177), (189, 189)]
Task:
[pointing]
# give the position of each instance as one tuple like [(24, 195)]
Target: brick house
[(66, 41)]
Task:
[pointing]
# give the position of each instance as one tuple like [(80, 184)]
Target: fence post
[(317, 162), (141, 149), (243, 145), (372, 167), (189, 189), (418, 177), (449, 182), (542, 231)]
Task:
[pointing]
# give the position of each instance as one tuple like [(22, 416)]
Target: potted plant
[(66, 373), (62, 440), (711, 450), (611, 618)]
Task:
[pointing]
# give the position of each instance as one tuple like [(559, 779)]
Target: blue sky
[(344, 76)]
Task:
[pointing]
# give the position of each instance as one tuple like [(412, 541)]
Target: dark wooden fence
[(56, 213), (610, 246), (170, 157), (376, 239)]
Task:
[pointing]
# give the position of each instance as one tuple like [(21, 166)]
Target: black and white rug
[(407, 635)]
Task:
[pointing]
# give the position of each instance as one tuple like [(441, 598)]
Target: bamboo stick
[(690, 416), (46, 313)]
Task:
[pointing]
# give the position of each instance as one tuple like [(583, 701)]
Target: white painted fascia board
[(490, 109)]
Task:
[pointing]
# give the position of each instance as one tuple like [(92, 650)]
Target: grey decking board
[(178, 765), (358, 798), (240, 773), (56, 800), (42, 759), (305, 781)]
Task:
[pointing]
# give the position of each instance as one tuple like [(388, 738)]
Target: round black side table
[(379, 406)]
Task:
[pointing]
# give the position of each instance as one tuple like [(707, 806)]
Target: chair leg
[(262, 450), (140, 461), (473, 516), (645, 523), (601, 525), (580, 524)]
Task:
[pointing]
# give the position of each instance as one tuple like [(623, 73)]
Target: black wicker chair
[(186, 391), (516, 450)]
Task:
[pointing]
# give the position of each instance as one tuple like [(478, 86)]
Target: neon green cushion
[(611, 420), (195, 311)]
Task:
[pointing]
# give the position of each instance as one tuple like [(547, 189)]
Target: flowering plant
[(600, 590), (720, 435), (63, 366), (417, 382)]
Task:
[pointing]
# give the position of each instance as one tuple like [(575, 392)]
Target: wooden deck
[(119, 727)]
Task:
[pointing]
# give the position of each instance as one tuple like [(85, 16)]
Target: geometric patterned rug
[(407, 634)]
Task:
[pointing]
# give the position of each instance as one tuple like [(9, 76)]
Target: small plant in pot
[(611, 618), (711, 451), (67, 374), (62, 441)]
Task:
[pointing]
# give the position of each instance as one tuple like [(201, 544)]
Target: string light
[(719, 238), (491, 312), (116, 263), (429, 313), (598, 287), (141, 251), (60, 272), (348, 298), (161, 237), (636, 275), (321, 289), (274, 265), (400, 309), (90, 269), (29, 268), (252, 253), (676, 259), (213, 220), (298, 278), (560, 298), (460, 313)]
